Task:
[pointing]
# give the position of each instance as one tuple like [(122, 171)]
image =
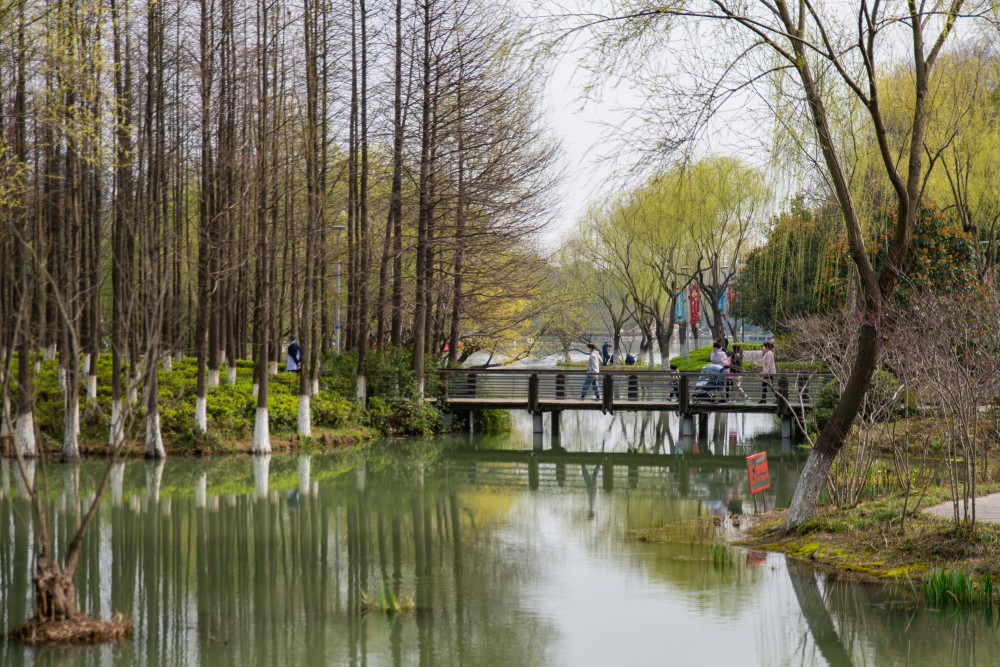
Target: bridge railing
[(657, 389)]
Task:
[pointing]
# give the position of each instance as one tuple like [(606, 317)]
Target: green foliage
[(702, 356), (231, 409), (493, 422), (397, 416), (385, 601), (388, 373), (777, 281), (805, 268), (940, 258), (954, 588)]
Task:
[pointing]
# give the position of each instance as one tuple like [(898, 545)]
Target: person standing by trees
[(767, 369), (593, 369), (292, 363), (605, 353)]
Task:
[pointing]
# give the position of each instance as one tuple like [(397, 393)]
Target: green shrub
[(388, 373), (493, 422), (403, 417)]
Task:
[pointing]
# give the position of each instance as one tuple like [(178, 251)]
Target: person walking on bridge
[(593, 369)]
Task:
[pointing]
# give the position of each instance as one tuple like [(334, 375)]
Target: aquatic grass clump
[(956, 588), (721, 556), (386, 602)]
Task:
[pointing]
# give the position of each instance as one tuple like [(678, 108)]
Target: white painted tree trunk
[(361, 390), (24, 434), (256, 389), (168, 362), (201, 414), (305, 465), (133, 394), (212, 380), (71, 432), (117, 483), (71, 486), (305, 418), (91, 388), (38, 366), (85, 366), (50, 352), (315, 386), (154, 473), (154, 436), (231, 374), (61, 378), (420, 388), (261, 433), (116, 433), (361, 474), (201, 491), (22, 485), (273, 367), (261, 475), (5, 430)]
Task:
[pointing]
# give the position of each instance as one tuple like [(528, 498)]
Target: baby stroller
[(711, 385)]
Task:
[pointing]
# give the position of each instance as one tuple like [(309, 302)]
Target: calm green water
[(242, 561)]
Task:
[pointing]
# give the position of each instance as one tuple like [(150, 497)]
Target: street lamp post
[(336, 307)]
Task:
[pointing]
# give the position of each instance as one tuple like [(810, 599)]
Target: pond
[(510, 558)]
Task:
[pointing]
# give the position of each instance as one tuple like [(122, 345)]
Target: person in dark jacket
[(606, 353), (294, 360)]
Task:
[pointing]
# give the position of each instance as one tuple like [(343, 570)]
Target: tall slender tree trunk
[(424, 208)]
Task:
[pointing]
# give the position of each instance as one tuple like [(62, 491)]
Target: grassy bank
[(867, 542)]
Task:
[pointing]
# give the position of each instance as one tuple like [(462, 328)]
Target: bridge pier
[(537, 431), (533, 473), (556, 414), (703, 426), (608, 475), (687, 433), (787, 433)]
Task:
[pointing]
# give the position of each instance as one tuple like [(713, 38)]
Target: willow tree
[(724, 199), (811, 50)]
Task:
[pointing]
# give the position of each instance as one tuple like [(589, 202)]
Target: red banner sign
[(695, 307), (760, 479)]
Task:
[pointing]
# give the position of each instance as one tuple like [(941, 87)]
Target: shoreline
[(862, 543), (281, 443)]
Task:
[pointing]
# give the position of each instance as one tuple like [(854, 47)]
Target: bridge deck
[(687, 393)]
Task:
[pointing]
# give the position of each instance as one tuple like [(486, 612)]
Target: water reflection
[(264, 560)]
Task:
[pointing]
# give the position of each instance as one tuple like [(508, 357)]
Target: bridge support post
[(703, 426), (556, 415), (470, 422), (608, 475), (687, 433), (536, 430), (787, 433), (533, 473)]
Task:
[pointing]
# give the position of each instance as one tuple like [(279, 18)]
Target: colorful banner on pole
[(680, 312), (695, 307)]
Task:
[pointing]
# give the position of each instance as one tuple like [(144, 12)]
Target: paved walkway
[(987, 508)]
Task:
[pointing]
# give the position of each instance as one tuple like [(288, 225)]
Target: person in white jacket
[(767, 369), (593, 369)]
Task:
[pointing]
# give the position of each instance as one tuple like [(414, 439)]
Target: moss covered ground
[(869, 542)]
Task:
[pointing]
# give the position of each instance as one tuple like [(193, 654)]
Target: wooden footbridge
[(689, 394)]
